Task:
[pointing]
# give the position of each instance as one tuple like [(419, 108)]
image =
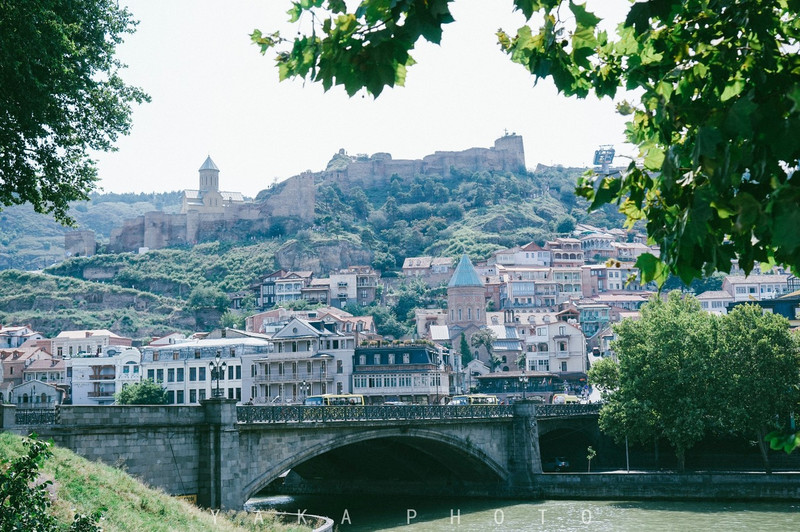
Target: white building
[(94, 379), (553, 346), (88, 342), (715, 301), (188, 369), (755, 287), (309, 358)]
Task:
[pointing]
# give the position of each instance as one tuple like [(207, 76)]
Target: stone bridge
[(223, 454)]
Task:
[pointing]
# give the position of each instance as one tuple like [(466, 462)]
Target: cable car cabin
[(474, 399), (330, 399)]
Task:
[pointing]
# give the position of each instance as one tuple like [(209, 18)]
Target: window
[(406, 358), (171, 375), (179, 376), (175, 355), (339, 366), (362, 360), (192, 396), (192, 376), (238, 372), (159, 375), (201, 374), (155, 356), (563, 366), (179, 397), (170, 397), (202, 394), (376, 359), (391, 358), (233, 352), (308, 367), (151, 374), (196, 353)]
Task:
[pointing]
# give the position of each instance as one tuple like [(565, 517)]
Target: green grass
[(81, 486)]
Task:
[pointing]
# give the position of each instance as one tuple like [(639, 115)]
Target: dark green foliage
[(24, 496), (145, 392), (207, 297), (62, 98), (466, 352), (684, 373)]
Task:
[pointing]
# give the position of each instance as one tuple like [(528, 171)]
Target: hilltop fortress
[(210, 214)]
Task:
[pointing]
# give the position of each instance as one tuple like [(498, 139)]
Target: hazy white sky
[(214, 94)]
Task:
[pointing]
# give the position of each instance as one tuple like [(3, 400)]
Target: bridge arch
[(412, 437)]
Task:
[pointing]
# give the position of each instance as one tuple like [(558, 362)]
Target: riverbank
[(711, 486)]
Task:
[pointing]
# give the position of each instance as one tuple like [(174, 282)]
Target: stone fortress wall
[(295, 198)]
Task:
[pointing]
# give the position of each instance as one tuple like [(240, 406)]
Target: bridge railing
[(297, 413), (35, 416), (567, 410)]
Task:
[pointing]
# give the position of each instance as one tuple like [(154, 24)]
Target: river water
[(478, 515)]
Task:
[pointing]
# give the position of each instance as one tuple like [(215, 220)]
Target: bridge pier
[(524, 457), (218, 482)]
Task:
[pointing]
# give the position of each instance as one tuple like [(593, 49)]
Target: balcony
[(101, 394), (97, 377), (296, 378)]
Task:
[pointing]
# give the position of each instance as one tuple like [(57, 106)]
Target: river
[(477, 515)]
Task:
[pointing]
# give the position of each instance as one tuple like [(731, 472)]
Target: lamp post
[(217, 369), (523, 379), (304, 389)]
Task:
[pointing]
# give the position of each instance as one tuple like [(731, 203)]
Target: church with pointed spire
[(466, 297), (208, 198)]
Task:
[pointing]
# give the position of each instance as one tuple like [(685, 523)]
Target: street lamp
[(217, 370), (304, 389), (523, 379)]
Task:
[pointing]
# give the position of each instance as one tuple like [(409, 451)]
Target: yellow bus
[(474, 399), (330, 399)]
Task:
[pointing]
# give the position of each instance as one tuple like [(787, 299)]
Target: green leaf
[(652, 268), (654, 158), (582, 16), (732, 90)]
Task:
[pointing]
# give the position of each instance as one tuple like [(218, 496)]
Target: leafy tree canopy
[(61, 97), (716, 107), (142, 393)]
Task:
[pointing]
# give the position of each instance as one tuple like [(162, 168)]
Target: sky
[(213, 93)]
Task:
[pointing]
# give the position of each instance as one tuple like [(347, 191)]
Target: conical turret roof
[(465, 274), (209, 165)]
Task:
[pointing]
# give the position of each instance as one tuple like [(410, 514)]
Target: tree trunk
[(680, 454), (762, 446)]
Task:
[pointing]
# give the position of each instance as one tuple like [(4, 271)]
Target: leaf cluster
[(368, 48), (62, 98)]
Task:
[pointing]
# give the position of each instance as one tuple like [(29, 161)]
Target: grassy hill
[(81, 486), (51, 304)]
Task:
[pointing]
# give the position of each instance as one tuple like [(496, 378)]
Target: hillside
[(30, 241), (51, 304), (81, 486), (359, 217)]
